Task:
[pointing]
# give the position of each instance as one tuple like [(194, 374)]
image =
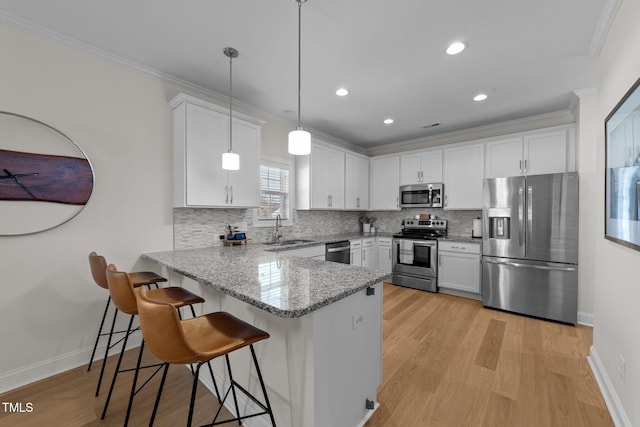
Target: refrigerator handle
[(521, 216), (529, 214), (535, 267)]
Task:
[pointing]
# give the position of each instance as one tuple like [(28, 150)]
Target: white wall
[(616, 273), (50, 307)]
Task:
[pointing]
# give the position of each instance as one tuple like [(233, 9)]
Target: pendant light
[(230, 160), (299, 139)]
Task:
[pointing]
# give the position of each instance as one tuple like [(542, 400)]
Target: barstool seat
[(98, 265), (199, 340)]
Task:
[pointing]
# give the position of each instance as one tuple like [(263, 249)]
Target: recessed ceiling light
[(388, 121), (480, 97), (342, 92), (455, 48)]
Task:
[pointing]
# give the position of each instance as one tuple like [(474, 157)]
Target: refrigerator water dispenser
[(499, 227)]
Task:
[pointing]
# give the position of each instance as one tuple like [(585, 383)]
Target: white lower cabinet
[(369, 253), (356, 252), (384, 254), (459, 268)]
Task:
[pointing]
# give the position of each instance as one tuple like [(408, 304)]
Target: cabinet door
[(463, 175), (459, 271), (356, 182), (370, 257), (431, 166), (327, 178), (356, 252), (207, 137), (385, 183), (504, 158), (410, 168), (545, 153), (244, 183), (384, 258)]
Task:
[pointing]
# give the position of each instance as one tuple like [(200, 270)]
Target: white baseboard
[(616, 410), (56, 365), (585, 318)]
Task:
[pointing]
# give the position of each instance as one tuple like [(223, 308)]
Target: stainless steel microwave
[(422, 195)]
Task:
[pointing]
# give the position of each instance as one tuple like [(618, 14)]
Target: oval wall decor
[(45, 178)]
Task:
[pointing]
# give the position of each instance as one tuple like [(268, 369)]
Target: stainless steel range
[(415, 254)]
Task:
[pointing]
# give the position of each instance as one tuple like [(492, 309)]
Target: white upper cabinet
[(545, 151), (425, 167), (200, 136), (463, 173), (320, 179), (356, 182), (385, 183)]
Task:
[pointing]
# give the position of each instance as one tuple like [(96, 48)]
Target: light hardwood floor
[(447, 361)]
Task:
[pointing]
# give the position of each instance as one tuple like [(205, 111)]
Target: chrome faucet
[(277, 233)]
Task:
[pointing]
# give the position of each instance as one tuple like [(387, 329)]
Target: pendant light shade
[(230, 160), (299, 139), (299, 142)]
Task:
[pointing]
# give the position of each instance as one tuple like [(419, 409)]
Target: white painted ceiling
[(528, 56)]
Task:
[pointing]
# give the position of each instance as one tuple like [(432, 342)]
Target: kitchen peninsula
[(323, 362)]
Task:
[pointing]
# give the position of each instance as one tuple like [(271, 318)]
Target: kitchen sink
[(288, 242)]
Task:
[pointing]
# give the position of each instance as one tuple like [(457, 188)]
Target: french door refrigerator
[(530, 245)]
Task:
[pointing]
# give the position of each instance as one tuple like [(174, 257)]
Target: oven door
[(415, 257)]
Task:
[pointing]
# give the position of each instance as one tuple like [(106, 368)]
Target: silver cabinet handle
[(525, 166), (231, 194), (226, 189), (520, 168), (397, 202), (364, 255)]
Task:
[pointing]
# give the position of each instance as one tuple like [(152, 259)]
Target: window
[(275, 179)]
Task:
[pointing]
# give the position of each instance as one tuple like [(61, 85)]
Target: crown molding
[(494, 129), (605, 21)]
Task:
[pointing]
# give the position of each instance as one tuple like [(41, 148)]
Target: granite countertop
[(281, 284)]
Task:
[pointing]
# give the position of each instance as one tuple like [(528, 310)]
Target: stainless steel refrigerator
[(530, 245)]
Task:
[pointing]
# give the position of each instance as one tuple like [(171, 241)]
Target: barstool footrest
[(238, 418)]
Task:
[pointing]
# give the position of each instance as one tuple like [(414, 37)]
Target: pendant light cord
[(230, 101), (299, 56)]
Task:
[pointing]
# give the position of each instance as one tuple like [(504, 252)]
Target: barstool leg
[(233, 389), (133, 386), (194, 388), (213, 378), (115, 374), (95, 346), (157, 403), (264, 389), (106, 351)]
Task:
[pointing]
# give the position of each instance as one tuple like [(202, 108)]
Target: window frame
[(280, 163)]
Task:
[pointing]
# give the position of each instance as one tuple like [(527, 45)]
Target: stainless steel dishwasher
[(338, 252)]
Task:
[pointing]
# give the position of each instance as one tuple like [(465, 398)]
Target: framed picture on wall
[(45, 178), (622, 170)]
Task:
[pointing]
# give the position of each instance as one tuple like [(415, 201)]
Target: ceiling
[(527, 56)]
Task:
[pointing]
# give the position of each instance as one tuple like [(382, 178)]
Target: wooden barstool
[(124, 297), (98, 265), (199, 340)]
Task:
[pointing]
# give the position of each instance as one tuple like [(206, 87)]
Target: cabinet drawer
[(369, 242), (469, 248), (355, 244), (384, 241)]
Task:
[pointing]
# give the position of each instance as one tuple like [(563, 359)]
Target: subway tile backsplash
[(197, 227)]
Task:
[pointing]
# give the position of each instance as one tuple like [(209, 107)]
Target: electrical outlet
[(358, 319), (621, 367)]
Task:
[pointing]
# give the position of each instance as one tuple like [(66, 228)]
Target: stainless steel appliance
[(422, 195), (338, 252), (530, 245), (415, 254)]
